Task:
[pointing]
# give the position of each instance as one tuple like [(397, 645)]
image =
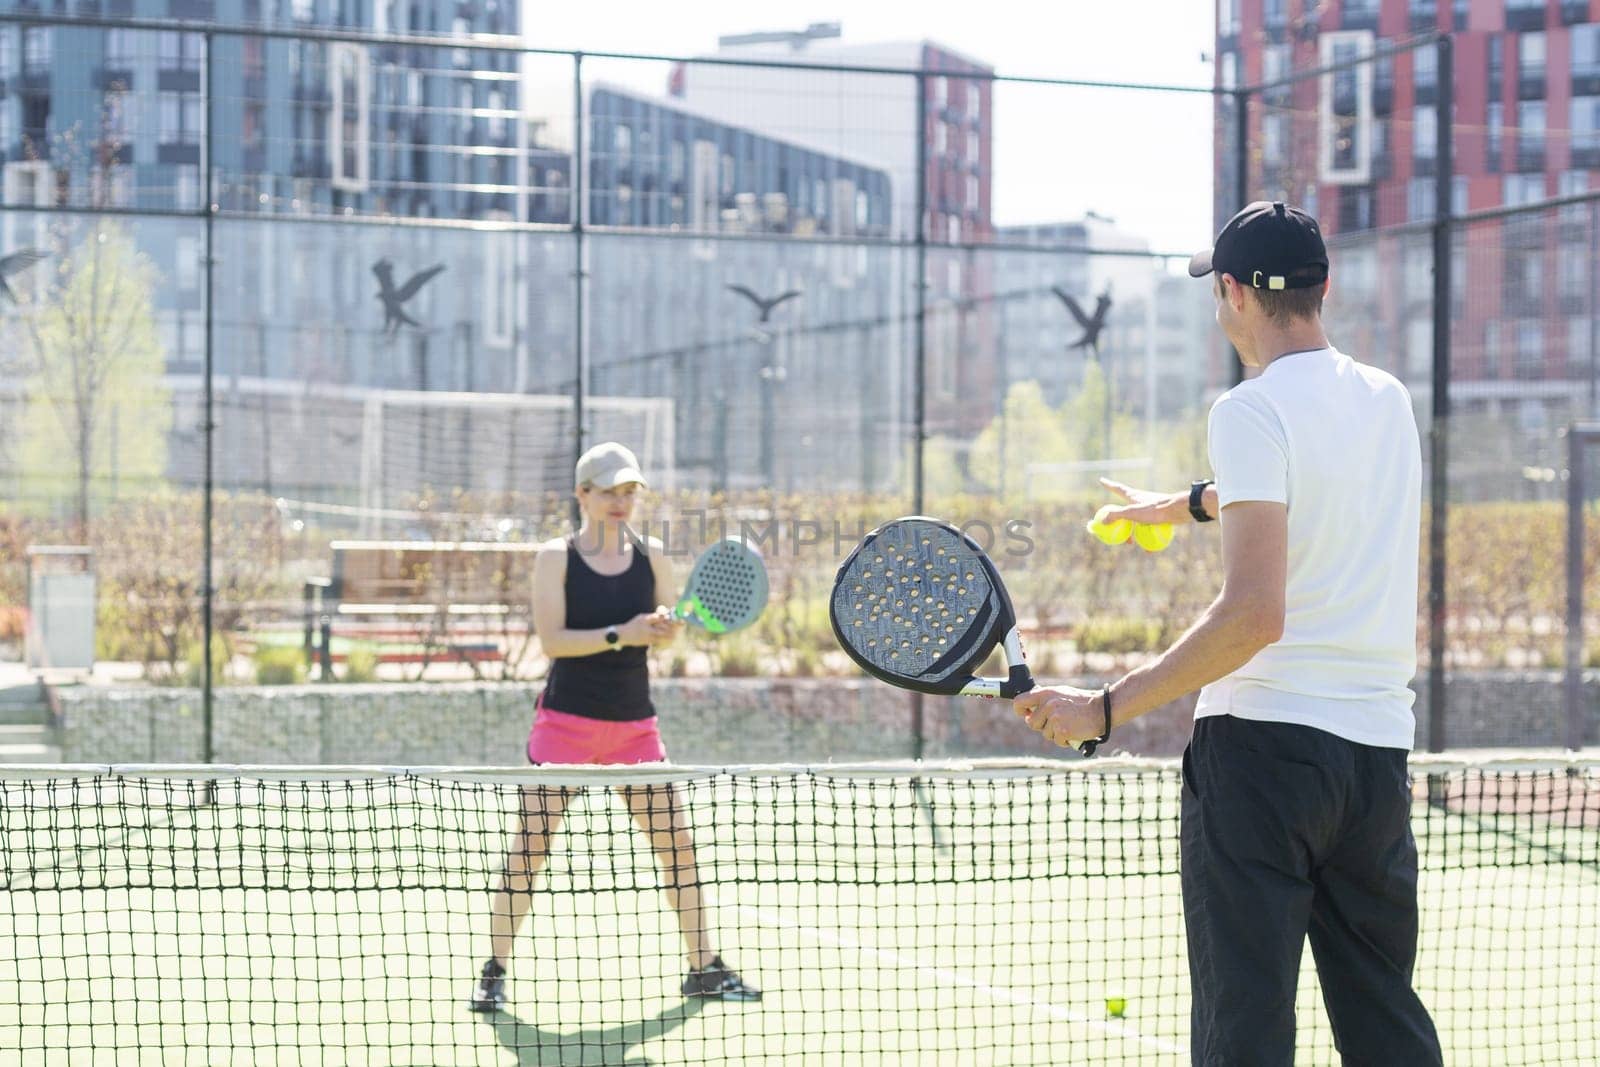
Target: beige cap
[(608, 465)]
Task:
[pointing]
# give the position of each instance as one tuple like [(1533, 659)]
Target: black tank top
[(613, 685)]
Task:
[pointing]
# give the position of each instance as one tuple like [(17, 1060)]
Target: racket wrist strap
[(1089, 746)]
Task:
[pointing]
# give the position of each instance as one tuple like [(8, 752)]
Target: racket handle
[(1021, 681)]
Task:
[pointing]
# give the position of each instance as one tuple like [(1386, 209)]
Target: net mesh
[(1017, 913)]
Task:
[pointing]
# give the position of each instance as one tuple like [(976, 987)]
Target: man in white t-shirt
[(1296, 797)]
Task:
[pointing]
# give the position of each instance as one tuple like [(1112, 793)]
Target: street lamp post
[(771, 372)]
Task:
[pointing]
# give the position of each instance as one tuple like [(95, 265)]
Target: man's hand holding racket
[(1063, 715)]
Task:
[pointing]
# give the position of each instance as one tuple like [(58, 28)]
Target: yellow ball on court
[(1153, 537), (1114, 532), (1116, 1007)]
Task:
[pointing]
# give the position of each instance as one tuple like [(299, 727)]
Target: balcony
[(192, 9), (1423, 17), (314, 93), (1586, 155), (1531, 84), (178, 153), (1574, 12), (1586, 81), (312, 164), (1424, 166), (1356, 17), (114, 76), (179, 80), (1525, 16), (1426, 93), (1530, 158)]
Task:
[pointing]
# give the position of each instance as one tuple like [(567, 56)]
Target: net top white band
[(1586, 763)]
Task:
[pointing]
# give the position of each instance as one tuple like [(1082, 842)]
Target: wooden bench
[(454, 601)]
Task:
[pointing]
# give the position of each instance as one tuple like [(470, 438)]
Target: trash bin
[(60, 607)]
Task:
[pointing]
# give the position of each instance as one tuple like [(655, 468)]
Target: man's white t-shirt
[(1335, 441)]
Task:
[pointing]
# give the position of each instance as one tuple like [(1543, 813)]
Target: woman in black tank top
[(597, 600)]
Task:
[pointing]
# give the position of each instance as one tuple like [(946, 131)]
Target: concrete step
[(28, 744)]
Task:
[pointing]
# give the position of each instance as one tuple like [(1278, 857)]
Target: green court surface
[(348, 929)]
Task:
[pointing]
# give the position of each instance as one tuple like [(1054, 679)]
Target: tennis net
[(1016, 912)]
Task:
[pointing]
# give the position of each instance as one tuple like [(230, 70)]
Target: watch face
[(611, 636)]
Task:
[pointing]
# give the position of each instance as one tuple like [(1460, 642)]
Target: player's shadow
[(605, 1047)]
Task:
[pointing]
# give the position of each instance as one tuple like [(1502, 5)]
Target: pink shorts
[(559, 737)]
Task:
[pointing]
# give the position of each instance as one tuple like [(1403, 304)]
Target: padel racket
[(919, 605), (727, 589)]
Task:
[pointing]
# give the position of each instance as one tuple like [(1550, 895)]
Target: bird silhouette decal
[(15, 264), (394, 300), (1091, 324), (764, 306)]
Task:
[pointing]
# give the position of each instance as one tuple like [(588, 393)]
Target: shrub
[(280, 665), (1119, 636), (361, 665)]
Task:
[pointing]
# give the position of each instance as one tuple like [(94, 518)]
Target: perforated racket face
[(727, 589), (915, 604)]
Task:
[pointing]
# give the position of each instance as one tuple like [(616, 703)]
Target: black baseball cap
[(1268, 245)]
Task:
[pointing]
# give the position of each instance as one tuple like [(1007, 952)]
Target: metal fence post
[(1439, 423)]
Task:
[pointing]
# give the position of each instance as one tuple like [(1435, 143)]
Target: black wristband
[(1197, 508), (1088, 747)]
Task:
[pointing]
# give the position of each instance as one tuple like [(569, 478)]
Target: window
[(1493, 358), (119, 49), (1530, 126), (1227, 18), (8, 51), (187, 264), (180, 118), (1520, 189), (187, 187), (675, 161), (1275, 13), (8, 125), (1530, 55), (1586, 49), (622, 144), (349, 118), (303, 10), (1580, 344), (1274, 63), (1496, 138), (36, 50), (118, 117), (1425, 68), (1572, 277), (941, 138), (497, 115), (1425, 134), (1585, 125), (1420, 196), (1530, 349), (972, 194), (1228, 73), (181, 51), (1524, 281), (1274, 139)]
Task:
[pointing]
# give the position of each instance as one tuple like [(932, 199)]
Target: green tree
[(97, 416), (1031, 431)]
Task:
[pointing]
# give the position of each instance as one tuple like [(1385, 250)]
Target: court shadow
[(602, 1047)]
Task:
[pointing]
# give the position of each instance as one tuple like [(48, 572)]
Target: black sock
[(493, 969)]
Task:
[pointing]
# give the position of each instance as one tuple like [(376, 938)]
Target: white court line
[(996, 993)]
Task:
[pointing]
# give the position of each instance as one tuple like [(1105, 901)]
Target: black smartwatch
[(612, 637), (1197, 492)]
